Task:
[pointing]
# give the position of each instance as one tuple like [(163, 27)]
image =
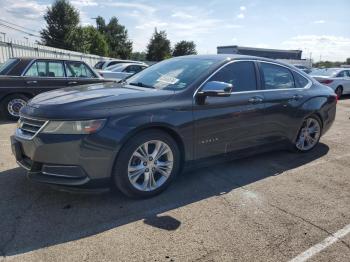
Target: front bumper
[(84, 161)]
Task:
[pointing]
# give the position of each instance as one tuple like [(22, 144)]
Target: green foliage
[(185, 48), (348, 61), (89, 40), (159, 47), (62, 19), (139, 56), (116, 36), (327, 64)]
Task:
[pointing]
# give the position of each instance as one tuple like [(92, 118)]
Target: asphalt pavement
[(277, 206)]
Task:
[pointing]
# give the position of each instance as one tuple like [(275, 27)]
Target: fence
[(16, 48)]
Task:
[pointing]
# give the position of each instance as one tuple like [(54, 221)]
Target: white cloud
[(182, 15), (329, 47), (240, 16), (242, 8), (24, 9), (139, 6), (319, 22), (82, 3)]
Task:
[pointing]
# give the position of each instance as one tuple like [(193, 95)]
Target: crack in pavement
[(309, 222)]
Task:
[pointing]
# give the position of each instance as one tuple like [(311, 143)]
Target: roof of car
[(222, 57), (45, 58)]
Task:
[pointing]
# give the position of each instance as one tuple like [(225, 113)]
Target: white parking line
[(322, 245)]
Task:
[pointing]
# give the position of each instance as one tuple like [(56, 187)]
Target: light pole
[(4, 34)]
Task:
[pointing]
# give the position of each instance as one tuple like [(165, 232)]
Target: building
[(263, 52)]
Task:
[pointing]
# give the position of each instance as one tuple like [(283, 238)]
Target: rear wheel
[(339, 91), (309, 134), (12, 104), (147, 164)]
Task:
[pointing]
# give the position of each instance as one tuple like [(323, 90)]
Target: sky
[(318, 27)]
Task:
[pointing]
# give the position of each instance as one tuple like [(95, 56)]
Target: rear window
[(8, 65), (300, 81), (99, 65)]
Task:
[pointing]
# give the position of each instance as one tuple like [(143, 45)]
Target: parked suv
[(23, 78)]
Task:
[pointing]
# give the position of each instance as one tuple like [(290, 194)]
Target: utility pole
[(4, 34)]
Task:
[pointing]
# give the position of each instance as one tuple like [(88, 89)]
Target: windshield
[(7, 66), (113, 67), (324, 72), (172, 74)]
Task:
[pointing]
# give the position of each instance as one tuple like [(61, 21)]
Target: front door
[(224, 124)]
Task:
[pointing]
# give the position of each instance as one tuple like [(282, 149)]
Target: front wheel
[(147, 164), (12, 104), (309, 134), (339, 91)]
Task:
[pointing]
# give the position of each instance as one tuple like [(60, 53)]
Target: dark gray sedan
[(180, 112)]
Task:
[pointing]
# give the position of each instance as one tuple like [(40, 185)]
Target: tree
[(159, 47), (138, 56), (348, 61), (117, 38), (185, 48), (62, 20), (101, 24), (89, 40)]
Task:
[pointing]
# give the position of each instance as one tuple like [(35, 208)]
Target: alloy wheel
[(150, 165), (309, 135), (15, 105)]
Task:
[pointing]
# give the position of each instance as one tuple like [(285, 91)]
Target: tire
[(11, 105), (339, 91), (305, 145), (129, 165)]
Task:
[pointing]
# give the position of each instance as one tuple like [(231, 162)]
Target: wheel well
[(164, 129), (29, 95), (340, 86)]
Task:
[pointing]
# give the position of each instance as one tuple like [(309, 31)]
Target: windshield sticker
[(168, 79)]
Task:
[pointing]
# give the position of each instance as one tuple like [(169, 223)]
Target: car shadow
[(35, 216)]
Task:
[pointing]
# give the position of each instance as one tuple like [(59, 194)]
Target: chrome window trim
[(257, 90), (48, 61)]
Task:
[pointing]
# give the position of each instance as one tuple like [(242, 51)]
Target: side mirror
[(215, 88)]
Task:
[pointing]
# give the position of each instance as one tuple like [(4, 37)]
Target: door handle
[(255, 100), (72, 82), (297, 97), (32, 82)]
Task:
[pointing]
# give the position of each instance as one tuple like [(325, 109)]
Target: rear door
[(78, 73), (224, 124), (285, 91), (45, 75)]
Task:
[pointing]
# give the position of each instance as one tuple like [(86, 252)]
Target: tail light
[(326, 81)]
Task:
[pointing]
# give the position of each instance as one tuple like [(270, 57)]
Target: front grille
[(28, 127)]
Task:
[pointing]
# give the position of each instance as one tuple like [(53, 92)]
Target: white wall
[(16, 48)]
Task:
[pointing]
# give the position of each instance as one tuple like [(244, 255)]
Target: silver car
[(336, 78), (122, 71)]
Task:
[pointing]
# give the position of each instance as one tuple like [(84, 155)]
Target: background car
[(122, 71), (303, 68), (23, 78), (179, 112), (336, 78), (102, 65)]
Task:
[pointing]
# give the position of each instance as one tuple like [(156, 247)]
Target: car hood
[(98, 100)]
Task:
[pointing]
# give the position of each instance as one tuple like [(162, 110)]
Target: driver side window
[(240, 74)]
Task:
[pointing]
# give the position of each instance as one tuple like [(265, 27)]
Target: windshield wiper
[(140, 84)]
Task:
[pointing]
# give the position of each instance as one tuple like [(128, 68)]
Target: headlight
[(74, 127)]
